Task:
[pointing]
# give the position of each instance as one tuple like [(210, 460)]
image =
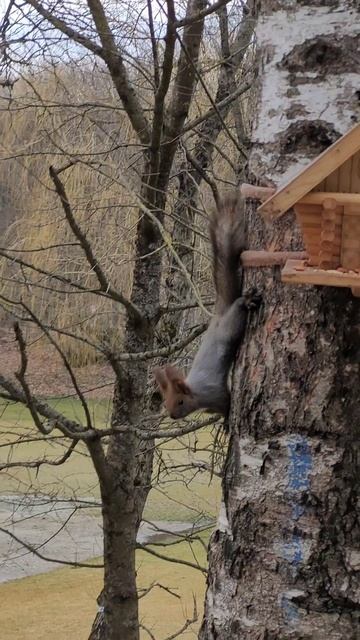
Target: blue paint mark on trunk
[(290, 610), (299, 468), (300, 463)]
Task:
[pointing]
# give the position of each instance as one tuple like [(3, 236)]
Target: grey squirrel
[(206, 385)]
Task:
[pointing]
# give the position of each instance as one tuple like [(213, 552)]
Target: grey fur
[(208, 377), (206, 386)]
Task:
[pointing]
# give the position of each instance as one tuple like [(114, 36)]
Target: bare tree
[(283, 563), (157, 96)]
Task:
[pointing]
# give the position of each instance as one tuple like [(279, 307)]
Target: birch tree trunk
[(285, 558)]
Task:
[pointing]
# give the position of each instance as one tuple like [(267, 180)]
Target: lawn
[(61, 605), (179, 495)]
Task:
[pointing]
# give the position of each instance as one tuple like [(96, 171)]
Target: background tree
[(284, 563), (160, 117)]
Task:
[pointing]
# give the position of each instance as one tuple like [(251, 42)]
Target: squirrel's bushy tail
[(227, 233)]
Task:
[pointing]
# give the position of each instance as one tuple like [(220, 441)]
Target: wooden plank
[(329, 255), (257, 193), (327, 248), (350, 240), (314, 241), (310, 207), (320, 186), (355, 174), (310, 176), (311, 228), (310, 217), (315, 227), (332, 181), (345, 176), (252, 258), (317, 197), (295, 272)]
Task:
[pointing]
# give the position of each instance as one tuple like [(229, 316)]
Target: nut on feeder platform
[(326, 198)]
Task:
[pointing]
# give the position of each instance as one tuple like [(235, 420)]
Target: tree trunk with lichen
[(285, 558)]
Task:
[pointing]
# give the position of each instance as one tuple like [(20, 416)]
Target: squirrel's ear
[(177, 380), (181, 387), (161, 378)]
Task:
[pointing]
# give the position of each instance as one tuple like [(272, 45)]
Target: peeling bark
[(285, 558)]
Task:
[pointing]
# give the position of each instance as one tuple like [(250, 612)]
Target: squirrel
[(206, 385)]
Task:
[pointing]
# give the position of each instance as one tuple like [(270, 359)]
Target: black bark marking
[(330, 4), (296, 111), (327, 55), (311, 137), (270, 6)]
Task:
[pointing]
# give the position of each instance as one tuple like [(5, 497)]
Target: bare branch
[(184, 84), (151, 434), (144, 592), (187, 624), (153, 45), (111, 55), (204, 176), (159, 103), (150, 634), (20, 375), (54, 276), (201, 14), (68, 427), (164, 351), (133, 312), (217, 108), (186, 563), (167, 241), (36, 464), (65, 29), (66, 364), (40, 555)]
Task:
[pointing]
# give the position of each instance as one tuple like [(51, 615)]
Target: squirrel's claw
[(252, 298)]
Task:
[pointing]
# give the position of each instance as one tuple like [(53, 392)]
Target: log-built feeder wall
[(326, 199)]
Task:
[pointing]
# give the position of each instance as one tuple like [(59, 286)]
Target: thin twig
[(20, 375), (216, 109), (133, 311), (40, 555), (66, 365), (186, 563), (201, 14), (187, 624), (36, 464)]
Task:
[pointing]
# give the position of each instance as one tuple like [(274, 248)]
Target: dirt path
[(58, 531)]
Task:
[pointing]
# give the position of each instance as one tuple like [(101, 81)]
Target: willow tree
[(284, 562), (155, 86)]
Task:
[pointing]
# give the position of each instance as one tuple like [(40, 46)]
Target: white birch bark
[(285, 562)]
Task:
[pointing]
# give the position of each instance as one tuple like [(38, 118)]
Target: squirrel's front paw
[(252, 298)]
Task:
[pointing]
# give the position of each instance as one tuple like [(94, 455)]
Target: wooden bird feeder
[(326, 199)]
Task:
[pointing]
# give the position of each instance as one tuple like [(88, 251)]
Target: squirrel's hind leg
[(232, 324)]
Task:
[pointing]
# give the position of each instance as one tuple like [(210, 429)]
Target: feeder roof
[(313, 174)]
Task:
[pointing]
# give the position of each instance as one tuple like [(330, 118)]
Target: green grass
[(61, 605), (17, 414), (179, 495)]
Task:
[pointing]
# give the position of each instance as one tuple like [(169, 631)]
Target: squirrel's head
[(178, 399)]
